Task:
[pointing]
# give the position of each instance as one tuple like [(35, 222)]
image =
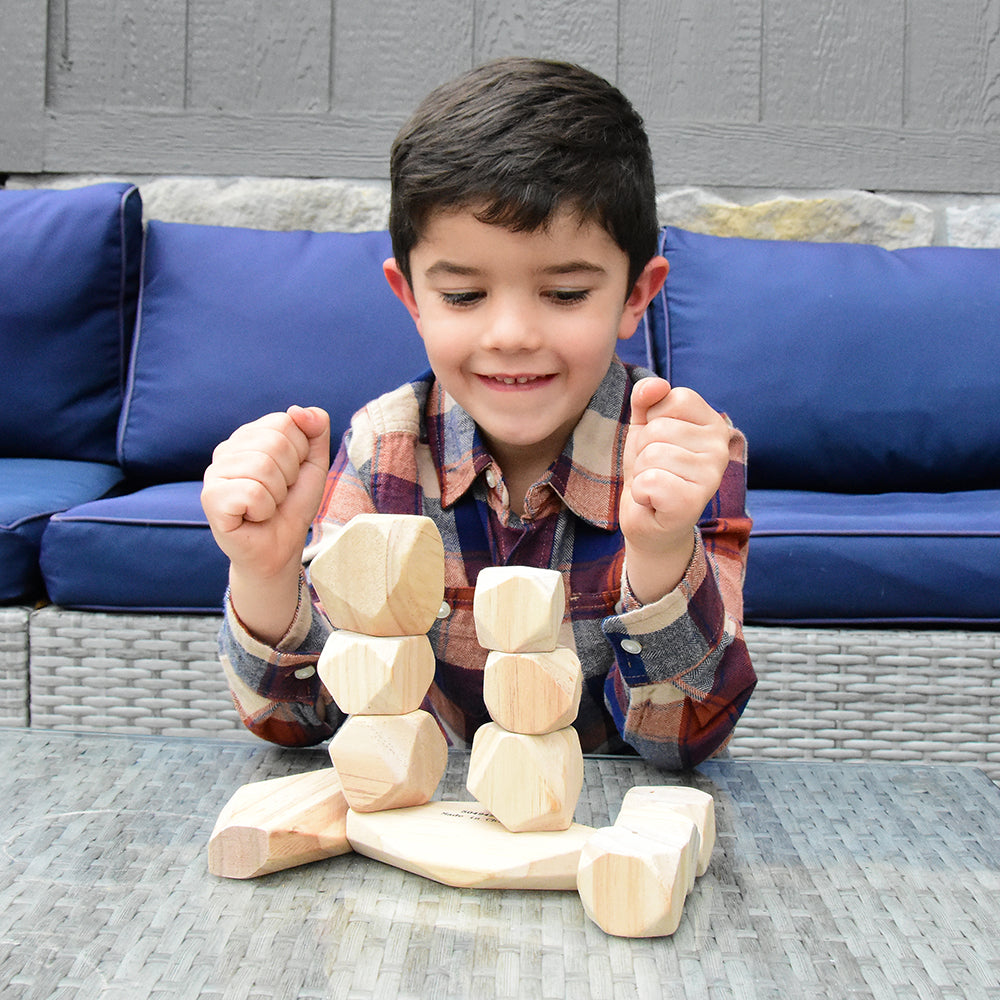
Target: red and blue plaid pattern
[(673, 692)]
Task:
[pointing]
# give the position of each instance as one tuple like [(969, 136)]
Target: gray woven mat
[(828, 881)]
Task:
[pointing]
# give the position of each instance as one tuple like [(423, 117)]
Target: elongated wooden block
[(382, 574), (534, 693), (693, 802), (519, 609), (527, 782), (461, 844), (631, 886), (377, 675), (389, 761), (279, 823)]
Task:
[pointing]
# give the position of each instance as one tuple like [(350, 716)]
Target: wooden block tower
[(526, 766), (381, 583)]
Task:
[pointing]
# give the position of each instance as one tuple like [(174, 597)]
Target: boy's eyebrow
[(448, 267)]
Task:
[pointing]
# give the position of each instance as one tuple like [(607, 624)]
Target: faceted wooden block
[(377, 675), (692, 802), (382, 574), (389, 761), (279, 823), (631, 886), (460, 844), (670, 828), (519, 609), (527, 782), (533, 693)]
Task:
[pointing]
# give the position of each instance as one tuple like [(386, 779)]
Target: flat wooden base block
[(461, 844)]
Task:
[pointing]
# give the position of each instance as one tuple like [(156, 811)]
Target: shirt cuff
[(291, 642)]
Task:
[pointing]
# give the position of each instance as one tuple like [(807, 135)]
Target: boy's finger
[(646, 394)]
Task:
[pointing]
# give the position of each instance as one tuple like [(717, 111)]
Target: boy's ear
[(401, 288), (646, 287)]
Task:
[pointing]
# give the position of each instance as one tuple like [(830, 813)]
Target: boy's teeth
[(510, 380)]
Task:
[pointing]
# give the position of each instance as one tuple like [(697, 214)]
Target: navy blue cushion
[(850, 368), (33, 490), (146, 551), (891, 558), (235, 323), (68, 291)]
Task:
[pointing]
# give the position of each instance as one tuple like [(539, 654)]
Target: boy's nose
[(512, 329)]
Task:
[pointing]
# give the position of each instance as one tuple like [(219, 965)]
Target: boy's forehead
[(452, 239)]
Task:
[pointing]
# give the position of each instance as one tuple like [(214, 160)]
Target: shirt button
[(631, 646), (491, 478), (444, 610), (304, 673)]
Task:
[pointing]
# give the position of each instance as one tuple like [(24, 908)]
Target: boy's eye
[(567, 296), (461, 298)]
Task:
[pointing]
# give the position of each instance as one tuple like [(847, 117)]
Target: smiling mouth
[(516, 379)]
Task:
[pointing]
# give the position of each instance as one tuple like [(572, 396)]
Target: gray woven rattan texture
[(831, 694), (870, 881), (900, 695), (13, 666), (129, 674)]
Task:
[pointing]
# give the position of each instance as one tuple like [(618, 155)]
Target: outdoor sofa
[(867, 382)]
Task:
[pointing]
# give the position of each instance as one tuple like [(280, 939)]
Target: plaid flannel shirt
[(669, 679)]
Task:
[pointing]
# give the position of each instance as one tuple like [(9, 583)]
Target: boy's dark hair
[(521, 138)]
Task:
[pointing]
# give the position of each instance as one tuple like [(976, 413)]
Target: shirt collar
[(587, 475)]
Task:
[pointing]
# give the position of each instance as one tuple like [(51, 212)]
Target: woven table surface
[(828, 880)]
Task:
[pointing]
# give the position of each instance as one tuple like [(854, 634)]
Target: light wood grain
[(280, 823), (376, 675), (533, 693), (382, 574), (691, 802), (519, 609), (460, 844), (631, 886), (389, 761), (527, 782)]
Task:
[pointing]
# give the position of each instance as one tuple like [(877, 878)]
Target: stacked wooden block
[(381, 583), (526, 765)]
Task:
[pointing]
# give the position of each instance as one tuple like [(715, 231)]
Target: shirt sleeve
[(682, 673)]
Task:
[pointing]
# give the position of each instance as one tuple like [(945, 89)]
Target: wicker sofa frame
[(832, 694)]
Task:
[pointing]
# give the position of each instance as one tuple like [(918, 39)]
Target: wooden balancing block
[(382, 574), (376, 675), (519, 609), (533, 693), (527, 782), (673, 830), (279, 823), (635, 875), (460, 844), (631, 885), (654, 801), (389, 761)]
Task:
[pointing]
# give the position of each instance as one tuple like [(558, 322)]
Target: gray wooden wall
[(879, 94)]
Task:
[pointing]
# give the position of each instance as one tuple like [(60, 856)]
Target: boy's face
[(520, 328)]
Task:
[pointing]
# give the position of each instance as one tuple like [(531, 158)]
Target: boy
[(524, 239)]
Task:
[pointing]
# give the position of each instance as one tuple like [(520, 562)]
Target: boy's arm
[(683, 674), (275, 687), (260, 494)]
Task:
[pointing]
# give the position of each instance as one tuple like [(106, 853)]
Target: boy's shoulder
[(401, 410)]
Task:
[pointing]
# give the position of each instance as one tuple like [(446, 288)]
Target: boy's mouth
[(516, 381)]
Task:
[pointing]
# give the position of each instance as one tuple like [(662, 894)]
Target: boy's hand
[(676, 454), (263, 489)]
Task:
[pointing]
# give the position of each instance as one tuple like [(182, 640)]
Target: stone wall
[(892, 220)]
